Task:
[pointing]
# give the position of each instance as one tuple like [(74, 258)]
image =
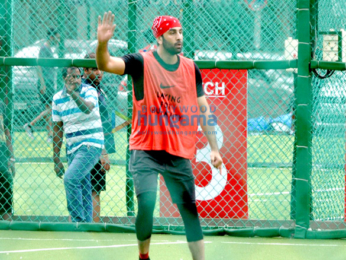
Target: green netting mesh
[(328, 174), (255, 110)]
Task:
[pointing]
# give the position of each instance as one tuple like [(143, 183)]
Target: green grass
[(270, 148), (24, 147), (264, 186), (37, 191)]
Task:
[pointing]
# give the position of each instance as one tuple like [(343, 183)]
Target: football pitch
[(37, 190), (31, 245)]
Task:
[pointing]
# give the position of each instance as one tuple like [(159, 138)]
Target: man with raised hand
[(76, 112), (163, 134)]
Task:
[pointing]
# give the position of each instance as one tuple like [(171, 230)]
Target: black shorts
[(176, 171), (98, 178), (47, 97)]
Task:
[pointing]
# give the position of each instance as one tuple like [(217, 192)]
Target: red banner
[(220, 195)]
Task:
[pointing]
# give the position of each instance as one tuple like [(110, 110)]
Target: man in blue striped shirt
[(75, 111)]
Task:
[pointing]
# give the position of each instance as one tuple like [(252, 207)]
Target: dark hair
[(51, 32), (65, 70), (90, 55)]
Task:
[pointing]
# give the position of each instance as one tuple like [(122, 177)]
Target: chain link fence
[(253, 101), (328, 171)]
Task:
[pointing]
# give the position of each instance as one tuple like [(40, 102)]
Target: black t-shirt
[(134, 66)]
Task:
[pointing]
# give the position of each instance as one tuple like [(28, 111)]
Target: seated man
[(76, 112)]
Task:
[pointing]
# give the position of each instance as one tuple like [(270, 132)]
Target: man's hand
[(71, 86), (58, 168), (105, 27), (216, 160), (11, 167), (106, 165), (43, 89)]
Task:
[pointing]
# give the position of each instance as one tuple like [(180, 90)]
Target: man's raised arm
[(105, 32)]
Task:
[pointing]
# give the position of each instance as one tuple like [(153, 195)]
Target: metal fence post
[(61, 48), (303, 133), (189, 28), (294, 166), (132, 47), (6, 51), (314, 33)]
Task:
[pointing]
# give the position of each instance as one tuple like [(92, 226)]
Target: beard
[(171, 48)]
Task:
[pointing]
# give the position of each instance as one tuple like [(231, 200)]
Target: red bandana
[(162, 24)]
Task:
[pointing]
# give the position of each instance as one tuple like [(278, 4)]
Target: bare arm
[(106, 165), (85, 106), (105, 32), (209, 131), (108, 63), (57, 143), (57, 139), (40, 75)]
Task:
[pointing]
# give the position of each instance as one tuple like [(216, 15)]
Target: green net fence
[(253, 78), (328, 171)]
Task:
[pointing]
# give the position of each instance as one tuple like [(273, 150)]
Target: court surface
[(103, 246)]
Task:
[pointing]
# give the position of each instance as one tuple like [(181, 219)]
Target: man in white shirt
[(75, 111)]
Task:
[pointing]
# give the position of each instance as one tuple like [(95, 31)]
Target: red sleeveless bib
[(168, 115)]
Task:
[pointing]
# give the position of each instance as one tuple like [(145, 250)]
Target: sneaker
[(49, 139), (29, 131)]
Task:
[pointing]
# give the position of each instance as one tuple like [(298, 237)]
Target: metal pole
[(314, 33), (258, 29), (303, 134), (132, 47), (61, 29), (293, 184), (61, 48), (189, 29), (88, 14), (6, 51)]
